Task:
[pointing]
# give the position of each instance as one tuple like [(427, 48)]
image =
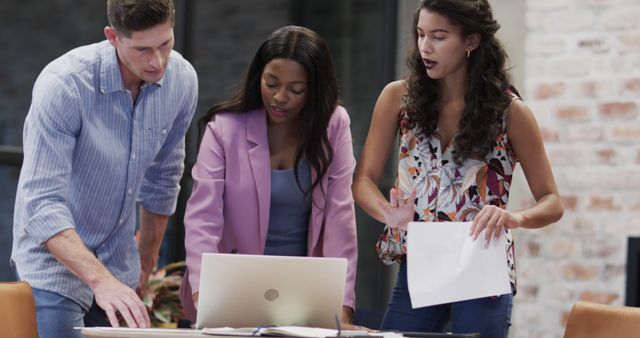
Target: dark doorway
[(633, 273)]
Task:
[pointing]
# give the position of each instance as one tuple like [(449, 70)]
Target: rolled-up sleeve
[(50, 132)]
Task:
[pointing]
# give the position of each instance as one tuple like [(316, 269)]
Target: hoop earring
[(468, 53)]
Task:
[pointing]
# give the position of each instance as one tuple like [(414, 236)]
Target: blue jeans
[(57, 315), (490, 316)]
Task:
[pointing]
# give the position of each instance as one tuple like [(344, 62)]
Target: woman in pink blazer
[(284, 125)]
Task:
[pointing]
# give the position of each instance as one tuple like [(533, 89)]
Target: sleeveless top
[(450, 192), (289, 213)]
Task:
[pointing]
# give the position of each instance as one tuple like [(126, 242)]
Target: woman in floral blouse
[(462, 128)]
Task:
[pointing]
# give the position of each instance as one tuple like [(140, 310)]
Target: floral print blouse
[(447, 191)]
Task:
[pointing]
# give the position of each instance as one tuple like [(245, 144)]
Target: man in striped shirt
[(104, 136)]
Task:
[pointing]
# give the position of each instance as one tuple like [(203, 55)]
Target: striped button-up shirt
[(90, 154)]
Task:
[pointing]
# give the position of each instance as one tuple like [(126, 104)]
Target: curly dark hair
[(306, 47), (487, 95)]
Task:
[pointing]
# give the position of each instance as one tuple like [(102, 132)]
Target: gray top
[(289, 213)]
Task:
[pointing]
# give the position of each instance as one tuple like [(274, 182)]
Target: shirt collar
[(110, 76)]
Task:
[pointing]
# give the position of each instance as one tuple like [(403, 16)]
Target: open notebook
[(310, 332), (258, 291), (288, 331)]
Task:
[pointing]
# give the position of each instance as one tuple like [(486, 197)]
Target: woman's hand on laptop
[(347, 315), (353, 328), (195, 299), (346, 322)]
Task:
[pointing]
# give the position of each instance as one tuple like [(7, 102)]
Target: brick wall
[(582, 71)]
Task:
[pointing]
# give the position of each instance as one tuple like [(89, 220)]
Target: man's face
[(144, 55)]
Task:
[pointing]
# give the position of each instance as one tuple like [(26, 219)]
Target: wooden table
[(103, 332)]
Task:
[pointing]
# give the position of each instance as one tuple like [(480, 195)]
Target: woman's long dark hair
[(304, 46), (486, 97)]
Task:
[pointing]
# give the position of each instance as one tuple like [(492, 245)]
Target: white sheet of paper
[(445, 264)]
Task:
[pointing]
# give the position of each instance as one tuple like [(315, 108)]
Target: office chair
[(591, 320), (17, 311)]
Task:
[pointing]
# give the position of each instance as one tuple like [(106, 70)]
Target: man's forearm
[(110, 294), (67, 247), (152, 227)]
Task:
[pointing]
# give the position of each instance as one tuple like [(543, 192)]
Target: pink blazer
[(228, 210)]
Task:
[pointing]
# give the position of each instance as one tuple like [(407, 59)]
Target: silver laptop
[(250, 291)]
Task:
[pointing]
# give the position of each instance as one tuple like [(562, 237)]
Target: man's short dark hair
[(128, 16)]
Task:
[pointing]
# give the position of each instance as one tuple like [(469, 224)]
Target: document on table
[(285, 331), (288, 331), (445, 264)]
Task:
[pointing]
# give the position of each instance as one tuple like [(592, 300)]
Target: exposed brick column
[(583, 84)]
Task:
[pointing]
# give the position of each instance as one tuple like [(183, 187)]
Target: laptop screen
[(253, 290)]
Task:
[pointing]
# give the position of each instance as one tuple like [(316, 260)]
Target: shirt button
[(129, 191), (164, 131), (133, 156), (121, 221)]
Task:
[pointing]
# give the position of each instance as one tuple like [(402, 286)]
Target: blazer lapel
[(260, 167)]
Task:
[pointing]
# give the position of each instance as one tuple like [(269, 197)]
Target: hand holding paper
[(493, 220)]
